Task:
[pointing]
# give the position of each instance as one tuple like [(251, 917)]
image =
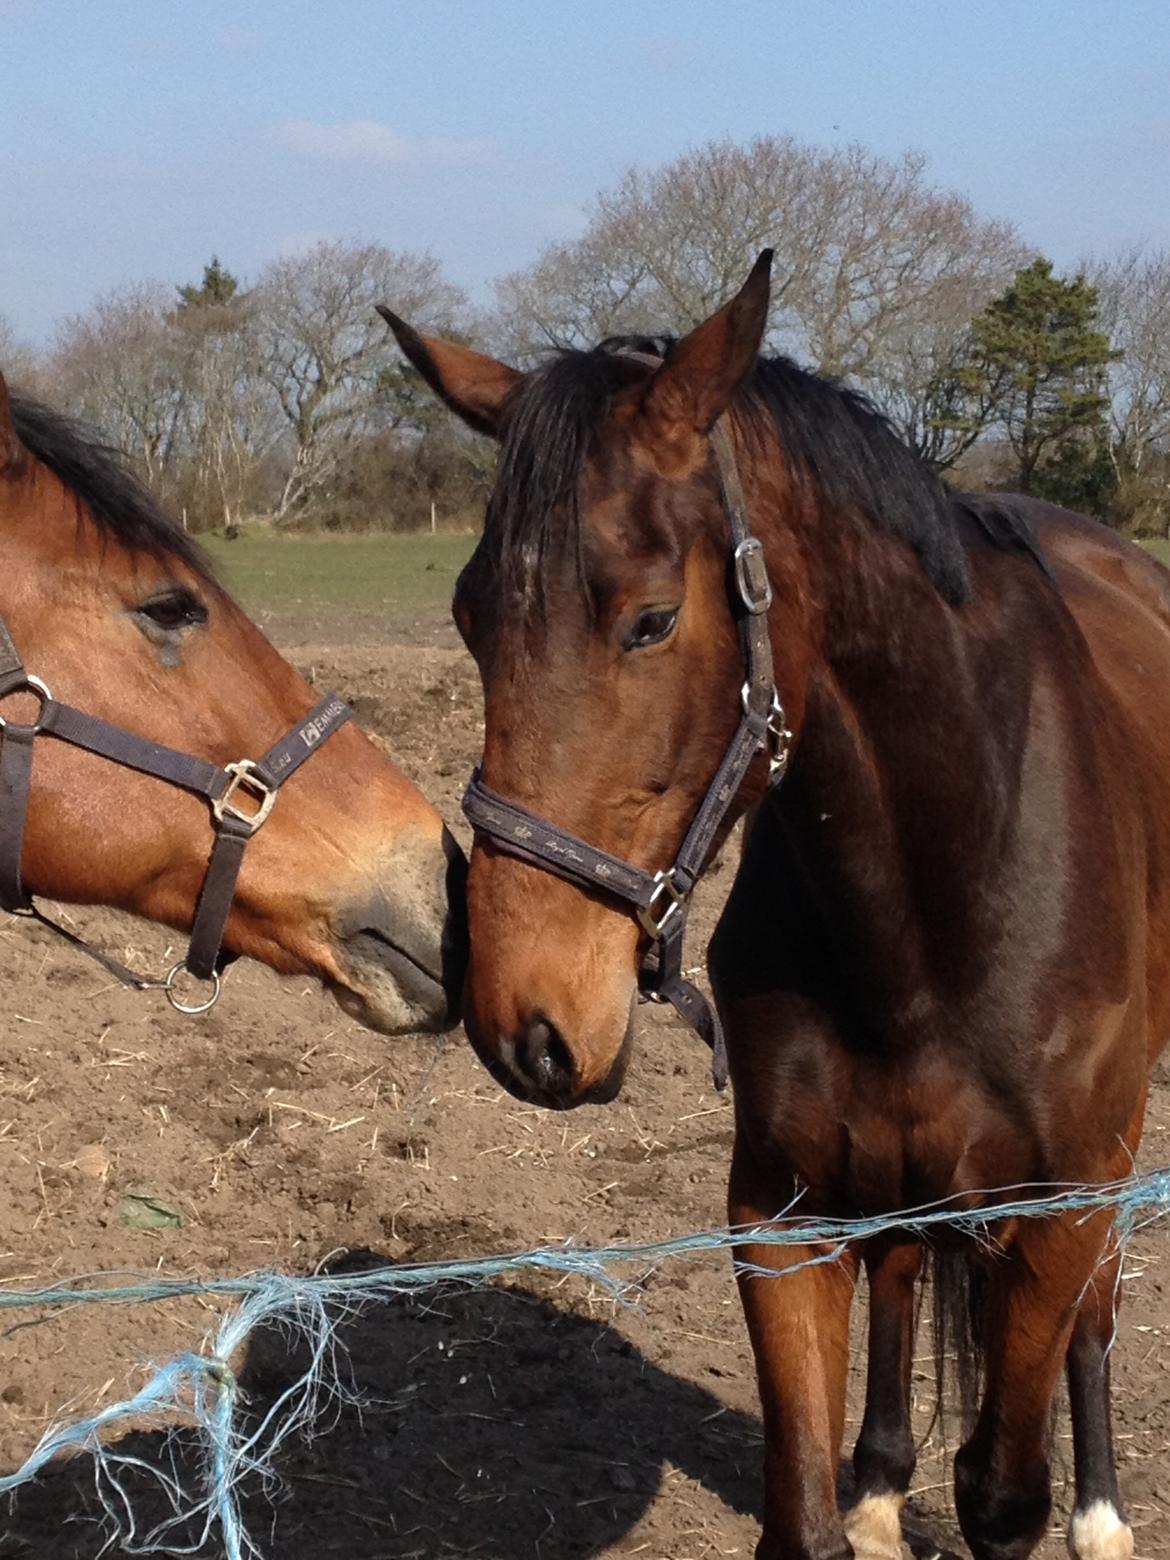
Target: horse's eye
[(174, 609), (651, 627)]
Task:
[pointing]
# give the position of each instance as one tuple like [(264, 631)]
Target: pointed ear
[(475, 387), (11, 449), (694, 387)]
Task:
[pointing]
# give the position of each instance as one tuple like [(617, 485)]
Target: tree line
[(284, 397)]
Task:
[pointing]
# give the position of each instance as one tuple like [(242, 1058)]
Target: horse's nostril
[(544, 1057)]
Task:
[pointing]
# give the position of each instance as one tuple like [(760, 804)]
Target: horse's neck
[(904, 784)]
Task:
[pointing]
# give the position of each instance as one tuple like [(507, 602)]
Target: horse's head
[(353, 878), (596, 607)]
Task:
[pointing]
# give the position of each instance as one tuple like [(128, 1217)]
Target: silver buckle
[(192, 1009), (751, 575), (33, 685), (245, 778), (777, 736), (654, 922), (779, 740)]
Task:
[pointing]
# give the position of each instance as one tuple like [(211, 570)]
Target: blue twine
[(202, 1390)]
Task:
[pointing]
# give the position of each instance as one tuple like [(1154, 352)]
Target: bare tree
[(18, 362), (233, 420), (876, 274), (120, 367), (217, 390), (1134, 307), (664, 248), (1134, 302), (324, 353), (899, 262)]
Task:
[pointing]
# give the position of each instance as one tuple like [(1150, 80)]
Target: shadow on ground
[(494, 1424)]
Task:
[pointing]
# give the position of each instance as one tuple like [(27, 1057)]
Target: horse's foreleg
[(1002, 1479), (799, 1326), (1099, 1530), (884, 1458)]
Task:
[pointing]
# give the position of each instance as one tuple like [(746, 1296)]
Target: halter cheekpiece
[(660, 900), (241, 797)]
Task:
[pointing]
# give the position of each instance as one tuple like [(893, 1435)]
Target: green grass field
[(399, 580)]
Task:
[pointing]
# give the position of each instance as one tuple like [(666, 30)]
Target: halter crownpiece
[(241, 797), (661, 900)]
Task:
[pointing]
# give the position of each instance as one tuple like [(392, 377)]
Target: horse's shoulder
[(1111, 594)]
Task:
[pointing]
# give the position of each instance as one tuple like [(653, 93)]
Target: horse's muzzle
[(403, 944), (537, 1066)]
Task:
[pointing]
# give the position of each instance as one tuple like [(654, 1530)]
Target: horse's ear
[(475, 387), (11, 449), (694, 387)]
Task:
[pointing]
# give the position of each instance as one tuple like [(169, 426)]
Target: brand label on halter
[(320, 726)]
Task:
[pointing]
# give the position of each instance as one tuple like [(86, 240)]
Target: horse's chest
[(867, 1137)]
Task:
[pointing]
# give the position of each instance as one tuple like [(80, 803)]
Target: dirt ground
[(534, 1419)]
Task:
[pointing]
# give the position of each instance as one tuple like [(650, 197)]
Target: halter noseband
[(257, 780), (660, 900)]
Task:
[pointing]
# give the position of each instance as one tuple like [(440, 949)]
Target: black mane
[(833, 437), (123, 508), (839, 441), (534, 513)]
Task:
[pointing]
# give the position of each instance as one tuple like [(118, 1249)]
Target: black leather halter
[(660, 900), (242, 795)]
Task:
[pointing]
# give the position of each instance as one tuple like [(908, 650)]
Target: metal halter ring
[(190, 1008), (654, 922), (33, 685), (245, 777)]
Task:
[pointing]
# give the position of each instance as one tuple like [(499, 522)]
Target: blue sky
[(139, 136)]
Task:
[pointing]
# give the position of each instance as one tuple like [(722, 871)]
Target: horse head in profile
[(941, 966), (353, 879)]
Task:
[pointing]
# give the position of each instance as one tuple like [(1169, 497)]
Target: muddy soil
[(536, 1418)]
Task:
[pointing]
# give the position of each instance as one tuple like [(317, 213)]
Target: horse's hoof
[(874, 1527), (1100, 1533)]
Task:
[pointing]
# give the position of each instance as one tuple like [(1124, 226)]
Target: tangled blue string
[(201, 1389)]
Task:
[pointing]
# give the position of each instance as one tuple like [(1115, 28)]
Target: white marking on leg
[(874, 1527), (1098, 1533)]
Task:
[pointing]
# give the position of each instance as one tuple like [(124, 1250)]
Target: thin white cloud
[(367, 141)]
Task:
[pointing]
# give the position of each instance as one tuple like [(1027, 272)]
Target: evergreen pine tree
[(219, 287), (1039, 350)]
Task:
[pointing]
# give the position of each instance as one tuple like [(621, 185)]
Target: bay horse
[(353, 879), (944, 966)]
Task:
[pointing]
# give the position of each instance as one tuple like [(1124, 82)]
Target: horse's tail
[(959, 1284)]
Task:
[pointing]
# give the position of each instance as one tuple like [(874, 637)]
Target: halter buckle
[(776, 738), (779, 741), (655, 919), (751, 575), (245, 777), (29, 684)]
